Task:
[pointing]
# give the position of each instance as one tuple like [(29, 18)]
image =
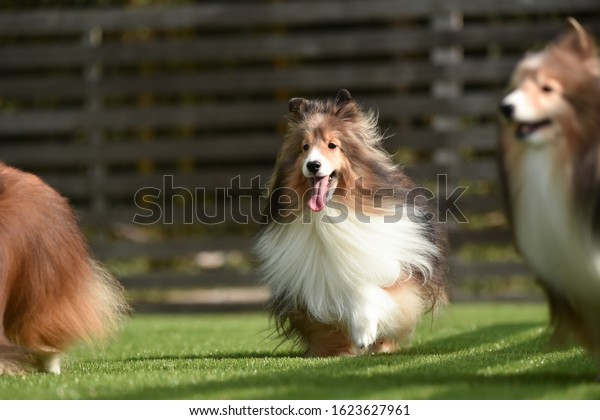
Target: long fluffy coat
[(358, 274), (52, 293), (550, 165)]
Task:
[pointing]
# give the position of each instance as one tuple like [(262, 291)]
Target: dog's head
[(550, 90), (332, 148), (323, 132)]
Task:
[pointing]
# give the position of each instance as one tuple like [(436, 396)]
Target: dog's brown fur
[(367, 182), (52, 293), (562, 84)]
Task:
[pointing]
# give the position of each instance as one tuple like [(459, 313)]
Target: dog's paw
[(48, 362), (364, 332), (12, 367), (384, 345), (15, 360)]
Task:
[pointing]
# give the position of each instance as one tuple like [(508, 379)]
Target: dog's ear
[(346, 107), (297, 107), (578, 41), (343, 97)]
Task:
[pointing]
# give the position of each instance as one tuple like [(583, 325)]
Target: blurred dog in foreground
[(550, 161), (51, 292), (351, 259)]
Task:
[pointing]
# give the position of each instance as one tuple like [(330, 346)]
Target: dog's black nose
[(507, 110), (313, 166)]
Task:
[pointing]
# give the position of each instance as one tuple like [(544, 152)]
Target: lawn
[(475, 351)]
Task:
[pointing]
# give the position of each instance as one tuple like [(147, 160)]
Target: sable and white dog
[(550, 146), (352, 259), (51, 292)]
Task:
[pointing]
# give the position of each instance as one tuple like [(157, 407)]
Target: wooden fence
[(181, 109)]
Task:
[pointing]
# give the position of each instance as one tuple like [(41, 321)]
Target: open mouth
[(524, 130), (321, 191)]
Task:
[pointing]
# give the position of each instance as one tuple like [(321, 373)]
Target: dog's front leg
[(369, 308), (364, 329)]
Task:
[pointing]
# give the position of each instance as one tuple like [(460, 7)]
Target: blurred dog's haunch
[(52, 293), (550, 161)]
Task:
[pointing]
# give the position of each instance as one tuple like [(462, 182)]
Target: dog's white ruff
[(337, 270), (549, 233)]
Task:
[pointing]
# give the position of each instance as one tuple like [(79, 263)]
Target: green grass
[(470, 352)]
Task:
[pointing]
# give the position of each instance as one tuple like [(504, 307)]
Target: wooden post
[(447, 157), (95, 138)]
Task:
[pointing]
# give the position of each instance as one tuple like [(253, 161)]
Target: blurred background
[(104, 98)]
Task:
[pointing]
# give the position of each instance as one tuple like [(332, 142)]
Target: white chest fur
[(331, 266), (551, 237)]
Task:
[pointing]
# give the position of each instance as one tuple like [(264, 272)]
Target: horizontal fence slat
[(229, 115), (517, 7), (127, 185), (209, 116), (168, 307), (165, 280), (169, 248), (361, 43), (245, 211), (365, 43), (216, 149), (174, 279), (191, 246), (205, 16), (210, 16), (211, 179), (311, 78), (482, 170), (222, 148), (480, 138), (487, 269), (491, 236), (476, 204)]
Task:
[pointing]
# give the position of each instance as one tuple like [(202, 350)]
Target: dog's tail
[(52, 293), (51, 312)]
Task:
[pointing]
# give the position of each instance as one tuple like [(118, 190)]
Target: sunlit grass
[(480, 351)]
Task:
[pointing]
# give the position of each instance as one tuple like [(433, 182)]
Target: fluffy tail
[(52, 293), (84, 304)]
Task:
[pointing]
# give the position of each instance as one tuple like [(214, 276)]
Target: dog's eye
[(305, 147), (547, 88), (331, 145)]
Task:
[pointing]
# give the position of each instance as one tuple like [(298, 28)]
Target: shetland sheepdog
[(550, 161), (352, 258), (51, 292)]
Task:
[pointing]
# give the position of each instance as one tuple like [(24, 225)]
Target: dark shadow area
[(478, 364)]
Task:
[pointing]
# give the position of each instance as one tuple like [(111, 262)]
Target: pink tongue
[(317, 201)]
